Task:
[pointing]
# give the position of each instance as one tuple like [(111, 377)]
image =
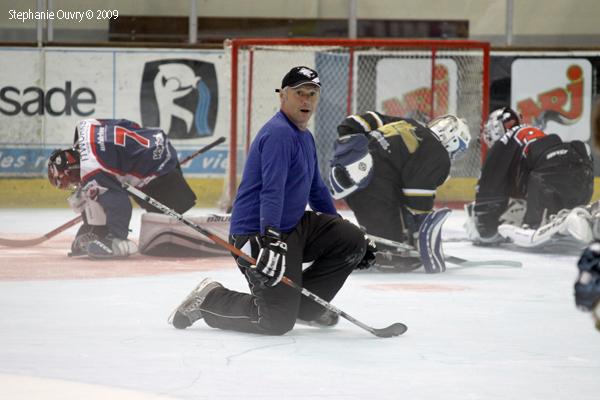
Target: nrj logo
[(180, 96), (417, 103), (563, 105)]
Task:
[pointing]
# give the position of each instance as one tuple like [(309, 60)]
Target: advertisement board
[(404, 86), (554, 95), (44, 92)]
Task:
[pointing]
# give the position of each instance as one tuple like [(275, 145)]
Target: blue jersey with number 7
[(125, 150)]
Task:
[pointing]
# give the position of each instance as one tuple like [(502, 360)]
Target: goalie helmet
[(587, 286), (453, 133), (498, 123), (63, 168), (351, 166)]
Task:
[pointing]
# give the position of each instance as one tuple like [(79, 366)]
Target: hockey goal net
[(411, 78)]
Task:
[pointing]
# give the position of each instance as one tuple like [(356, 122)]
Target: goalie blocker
[(164, 236)]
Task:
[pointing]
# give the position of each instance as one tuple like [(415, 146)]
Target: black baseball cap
[(299, 76)]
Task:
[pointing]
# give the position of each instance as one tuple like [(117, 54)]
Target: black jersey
[(409, 161), (521, 150)]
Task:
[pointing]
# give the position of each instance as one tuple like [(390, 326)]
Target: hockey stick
[(33, 242), (410, 251), (466, 263), (203, 150), (76, 220), (395, 329)]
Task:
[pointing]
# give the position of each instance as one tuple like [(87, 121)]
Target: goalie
[(387, 169), (546, 180), (105, 153)]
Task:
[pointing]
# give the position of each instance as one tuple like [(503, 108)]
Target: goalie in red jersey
[(533, 186)]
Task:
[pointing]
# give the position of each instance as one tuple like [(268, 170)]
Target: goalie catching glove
[(271, 260)]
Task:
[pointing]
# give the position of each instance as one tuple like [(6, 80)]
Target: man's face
[(299, 103)]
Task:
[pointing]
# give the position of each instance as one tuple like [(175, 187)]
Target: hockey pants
[(334, 246)]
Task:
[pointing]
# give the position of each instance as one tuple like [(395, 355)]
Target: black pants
[(379, 216), (334, 245), (551, 191), (171, 190)]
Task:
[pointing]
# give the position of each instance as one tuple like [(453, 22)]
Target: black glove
[(369, 258), (487, 216), (271, 260)]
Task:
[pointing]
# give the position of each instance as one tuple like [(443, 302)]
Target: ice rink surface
[(81, 329)]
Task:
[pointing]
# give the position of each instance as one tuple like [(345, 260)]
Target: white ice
[(473, 333)]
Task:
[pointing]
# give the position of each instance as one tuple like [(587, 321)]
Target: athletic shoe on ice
[(189, 311)]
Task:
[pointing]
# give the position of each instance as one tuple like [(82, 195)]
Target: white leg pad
[(159, 229), (575, 223), (579, 225)]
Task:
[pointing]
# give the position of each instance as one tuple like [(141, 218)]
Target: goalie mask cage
[(420, 79)]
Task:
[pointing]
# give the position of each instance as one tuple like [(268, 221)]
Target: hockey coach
[(270, 222)]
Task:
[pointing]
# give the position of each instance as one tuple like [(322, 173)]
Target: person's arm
[(494, 187), (276, 156), (364, 123)]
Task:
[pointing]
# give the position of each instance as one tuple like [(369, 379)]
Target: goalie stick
[(407, 250), (35, 241), (76, 220), (430, 244), (410, 251), (395, 329), (203, 150)]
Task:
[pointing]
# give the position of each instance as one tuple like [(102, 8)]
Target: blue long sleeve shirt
[(280, 178)]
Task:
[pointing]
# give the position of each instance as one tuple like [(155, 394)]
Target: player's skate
[(189, 310), (111, 247), (326, 320)]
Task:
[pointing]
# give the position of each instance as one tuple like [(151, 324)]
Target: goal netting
[(409, 78)]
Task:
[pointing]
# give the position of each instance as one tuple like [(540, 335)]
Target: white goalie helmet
[(453, 133), (498, 123)]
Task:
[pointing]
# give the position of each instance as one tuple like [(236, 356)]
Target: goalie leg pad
[(164, 236), (579, 225), (573, 222), (430, 241)]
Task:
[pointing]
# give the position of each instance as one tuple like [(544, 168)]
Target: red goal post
[(421, 79)]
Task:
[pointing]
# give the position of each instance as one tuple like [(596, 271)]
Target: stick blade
[(396, 329), (21, 243)]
